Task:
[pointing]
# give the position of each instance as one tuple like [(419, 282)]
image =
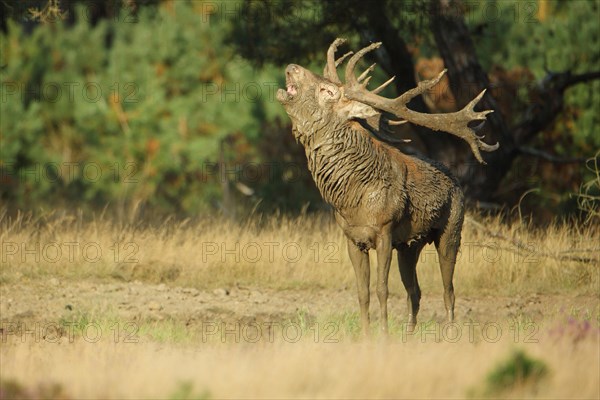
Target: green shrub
[(517, 372), (127, 112)]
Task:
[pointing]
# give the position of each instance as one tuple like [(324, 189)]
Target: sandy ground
[(188, 353), (52, 300)]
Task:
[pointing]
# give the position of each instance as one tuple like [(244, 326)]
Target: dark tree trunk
[(375, 21), (396, 60), (551, 91), (467, 79)]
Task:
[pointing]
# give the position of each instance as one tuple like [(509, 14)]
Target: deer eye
[(327, 91)]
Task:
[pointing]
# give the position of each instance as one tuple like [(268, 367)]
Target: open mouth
[(289, 93), (292, 89)]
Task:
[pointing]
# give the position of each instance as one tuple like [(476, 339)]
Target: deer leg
[(360, 262), (384, 257), (447, 255), (447, 248), (407, 263), (447, 245)]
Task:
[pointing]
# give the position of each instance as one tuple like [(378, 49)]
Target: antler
[(455, 123), (330, 70)]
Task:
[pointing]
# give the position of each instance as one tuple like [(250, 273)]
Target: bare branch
[(549, 157), (550, 91), (561, 255), (581, 78)]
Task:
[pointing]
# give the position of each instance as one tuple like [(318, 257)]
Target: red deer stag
[(383, 198)]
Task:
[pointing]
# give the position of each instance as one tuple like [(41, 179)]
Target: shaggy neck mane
[(346, 162)]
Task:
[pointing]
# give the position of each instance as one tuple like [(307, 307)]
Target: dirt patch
[(52, 300)]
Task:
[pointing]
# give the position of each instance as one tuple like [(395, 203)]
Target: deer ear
[(357, 110)]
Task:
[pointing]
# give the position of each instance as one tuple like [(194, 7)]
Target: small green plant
[(518, 371), (169, 330), (77, 322), (346, 324), (588, 198), (185, 391), (304, 319), (11, 389)]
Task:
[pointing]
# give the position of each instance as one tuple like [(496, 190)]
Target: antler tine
[(352, 64), (350, 78), (366, 72), (330, 71), (337, 63), (455, 123), (421, 88), (479, 116), (392, 122), (383, 85), (342, 58)]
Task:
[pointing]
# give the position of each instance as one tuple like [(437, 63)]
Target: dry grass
[(370, 369), (282, 252), (171, 361)]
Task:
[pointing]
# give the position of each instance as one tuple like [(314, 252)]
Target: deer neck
[(345, 163)]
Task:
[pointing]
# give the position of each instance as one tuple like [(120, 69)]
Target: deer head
[(314, 102)]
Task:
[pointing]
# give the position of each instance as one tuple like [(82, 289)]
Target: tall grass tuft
[(284, 252)]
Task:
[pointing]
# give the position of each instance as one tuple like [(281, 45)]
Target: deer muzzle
[(292, 73)]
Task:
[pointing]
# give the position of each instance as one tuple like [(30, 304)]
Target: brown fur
[(383, 199)]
